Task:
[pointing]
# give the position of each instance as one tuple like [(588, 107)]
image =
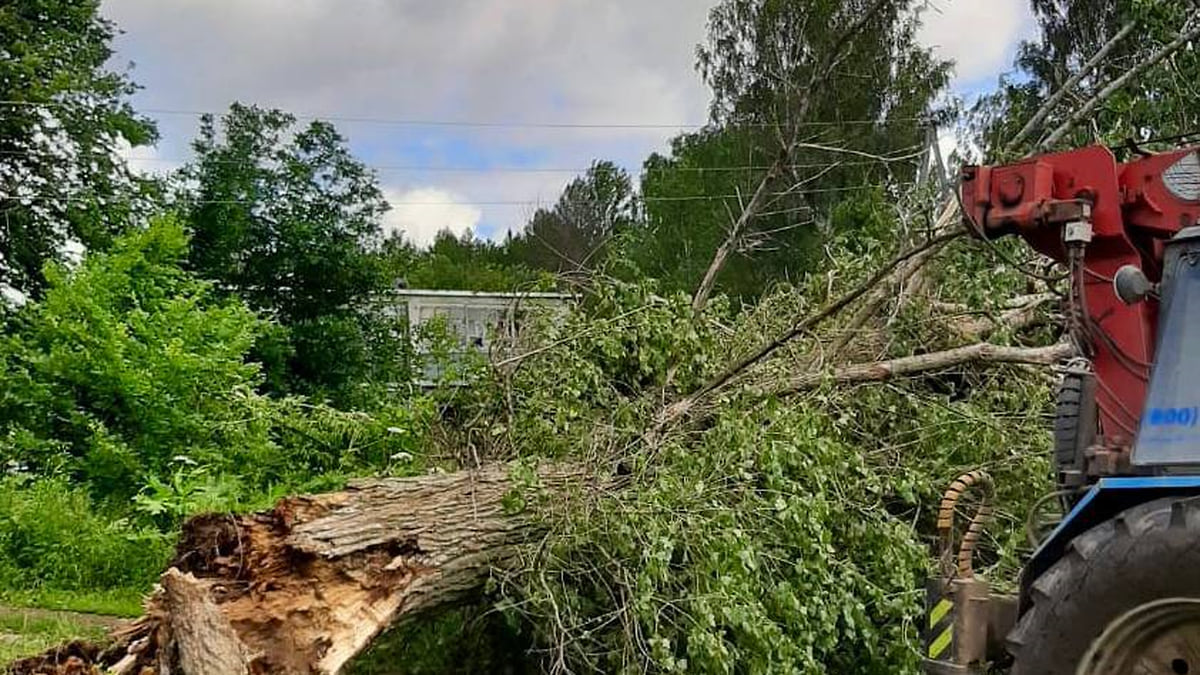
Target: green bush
[(52, 537), (133, 377)]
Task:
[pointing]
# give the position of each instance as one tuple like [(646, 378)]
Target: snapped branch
[(878, 371)]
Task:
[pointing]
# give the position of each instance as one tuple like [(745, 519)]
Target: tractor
[(1114, 587)]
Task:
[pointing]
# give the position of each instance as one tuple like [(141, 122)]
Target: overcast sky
[(575, 62)]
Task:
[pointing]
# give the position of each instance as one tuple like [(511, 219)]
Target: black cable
[(1124, 145)]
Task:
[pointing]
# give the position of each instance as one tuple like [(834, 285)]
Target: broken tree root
[(306, 586)]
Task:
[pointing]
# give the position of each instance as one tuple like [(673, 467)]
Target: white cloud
[(147, 159), (980, 36), (570, 60), (12, 296), (422, 213), (574, 61)]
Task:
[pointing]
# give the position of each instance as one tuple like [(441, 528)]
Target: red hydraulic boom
[(1085, 209)]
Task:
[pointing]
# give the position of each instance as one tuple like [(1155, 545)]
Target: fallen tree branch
[(680, 407), (605, 324), (749, 212), (817, 76), (878, 371), (830, 310), (1016, 317), (1015, 302), (947, 222)]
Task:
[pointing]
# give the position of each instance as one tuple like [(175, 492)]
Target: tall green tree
[(63, 116), (576, 233), (806, 93), (287, 218)]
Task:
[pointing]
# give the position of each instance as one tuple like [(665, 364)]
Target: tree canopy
[(288, 220), (63, 117)]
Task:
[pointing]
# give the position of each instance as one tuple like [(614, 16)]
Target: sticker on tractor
[(1173, 417)]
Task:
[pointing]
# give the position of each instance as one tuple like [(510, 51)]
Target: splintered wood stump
[(304, 587)]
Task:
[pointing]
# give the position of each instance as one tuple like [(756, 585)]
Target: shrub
[(134, 377), (52, 537)]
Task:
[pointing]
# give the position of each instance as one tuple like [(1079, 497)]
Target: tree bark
[(306, 586), (878, 371)]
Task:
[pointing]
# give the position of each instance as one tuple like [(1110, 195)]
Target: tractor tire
[(1074, 431), (1146, 553)]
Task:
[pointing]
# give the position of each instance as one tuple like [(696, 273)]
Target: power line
[(901, 155), (502, 202), (498, 124), (532, 169)]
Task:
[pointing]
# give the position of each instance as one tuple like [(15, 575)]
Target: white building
[(484, 322)]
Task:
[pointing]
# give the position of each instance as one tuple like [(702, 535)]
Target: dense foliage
[(784, 532), (63, 113), (241, 344), (131, 377), (288, 220)]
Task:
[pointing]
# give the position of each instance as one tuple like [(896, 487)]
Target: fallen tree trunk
[(304, 587)]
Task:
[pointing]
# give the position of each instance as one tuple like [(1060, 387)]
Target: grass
[(28, 632), (125, 603), (33, 621)]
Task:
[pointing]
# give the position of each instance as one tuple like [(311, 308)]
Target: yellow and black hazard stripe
[(939, 626)]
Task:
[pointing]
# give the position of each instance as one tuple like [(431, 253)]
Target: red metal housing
[(1133, 211)]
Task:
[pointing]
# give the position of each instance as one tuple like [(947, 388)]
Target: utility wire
[(526, 202), (417, 122), (416, 168)]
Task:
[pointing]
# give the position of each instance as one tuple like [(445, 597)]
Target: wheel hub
[(1157, 638)]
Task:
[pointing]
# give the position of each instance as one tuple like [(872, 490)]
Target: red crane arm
[(1132, 209)]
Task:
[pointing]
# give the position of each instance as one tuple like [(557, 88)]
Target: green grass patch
[(53, 536), (125, 603), (25, 634)]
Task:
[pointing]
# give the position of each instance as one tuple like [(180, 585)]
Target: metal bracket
[(965, 626), (1078, 232)]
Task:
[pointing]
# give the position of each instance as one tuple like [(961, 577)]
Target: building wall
[(483, 322)]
